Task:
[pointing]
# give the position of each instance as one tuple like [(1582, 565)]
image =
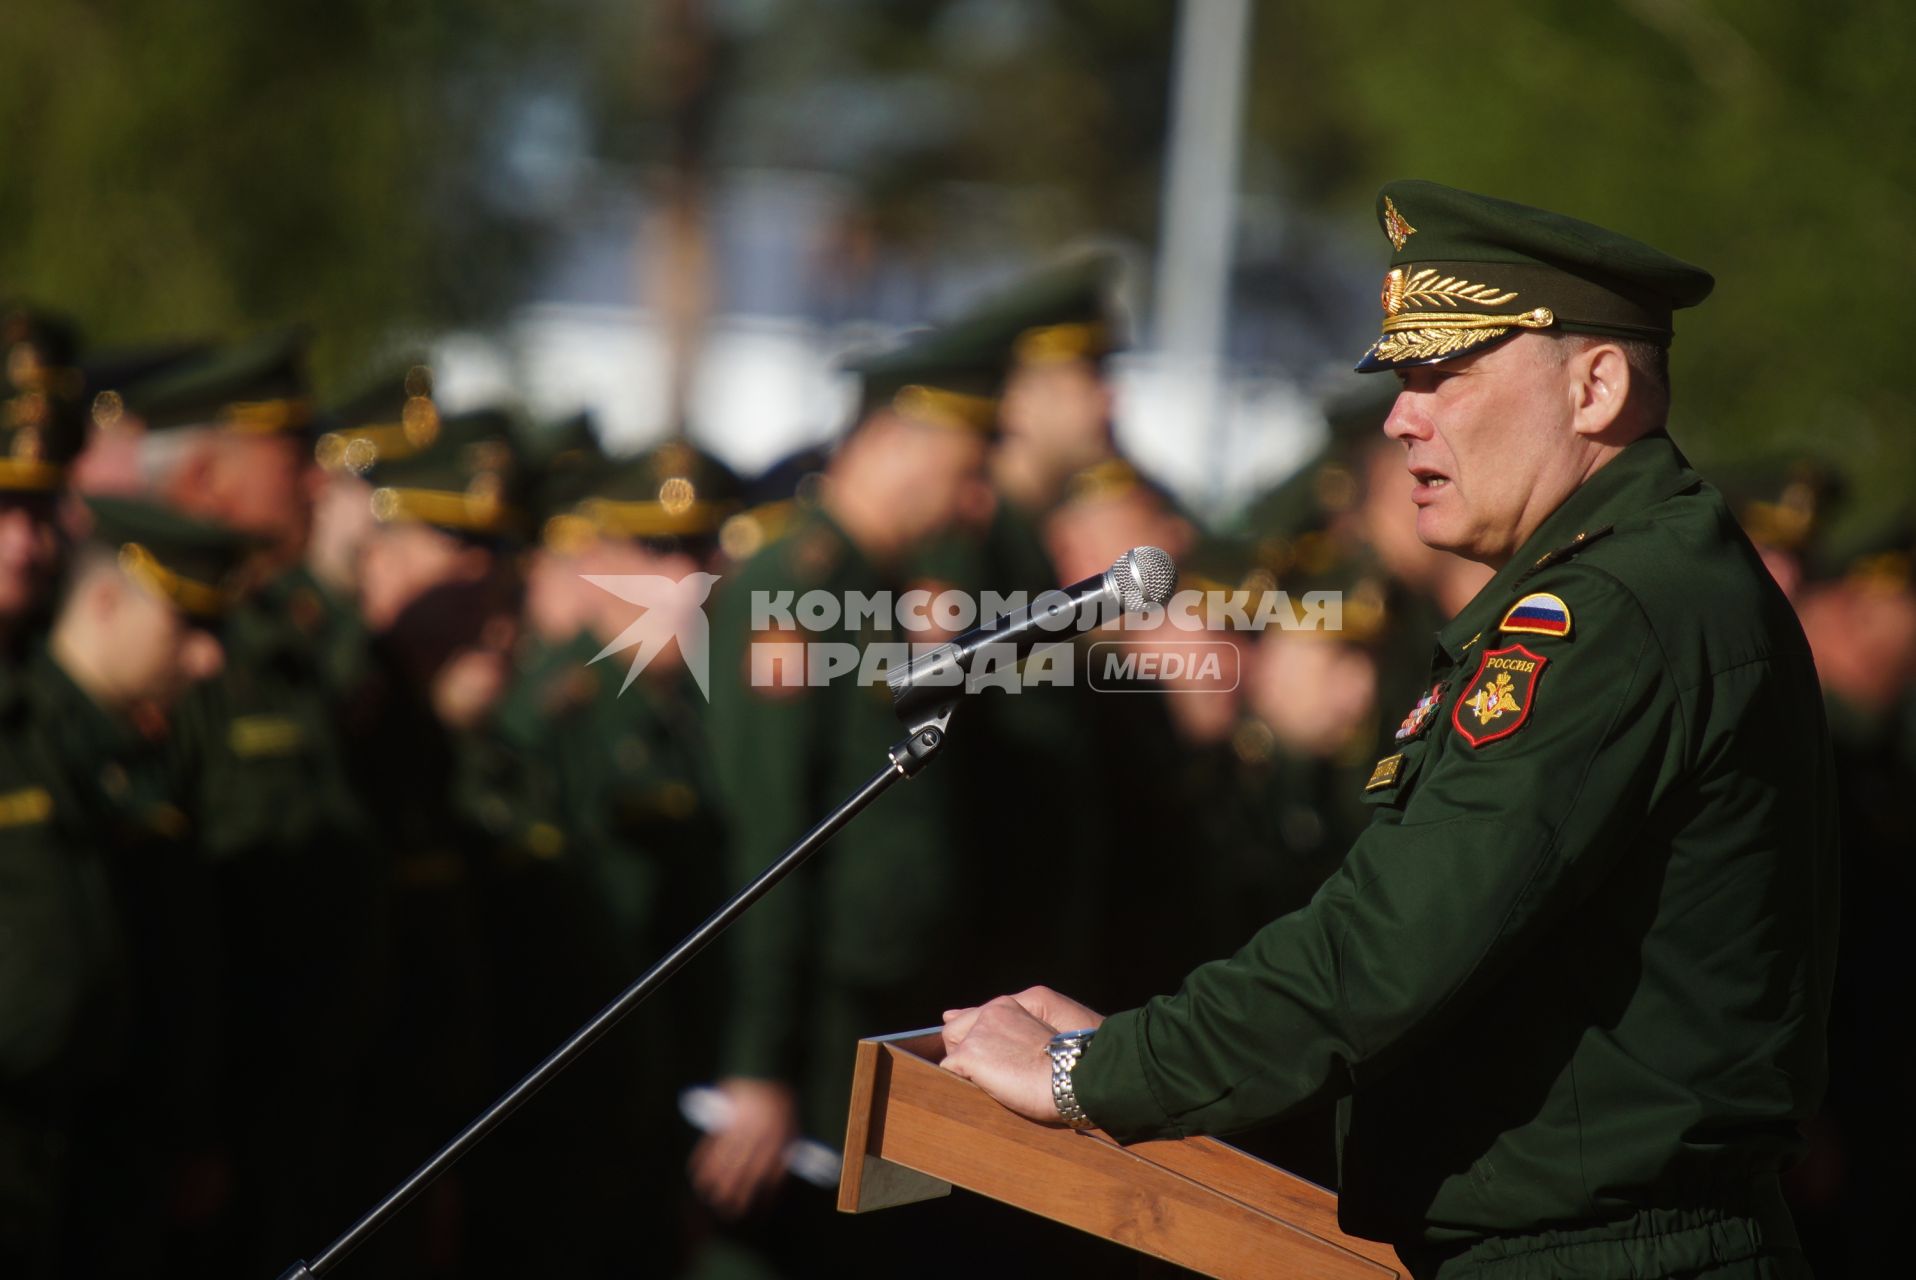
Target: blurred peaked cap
[(562, 461), (1782, 502), (255, 387), (1114, 478), (1317, 560), (1880, 554), (110, 373), (192, 562), (1320, 491), (574, 435), (792, 476), (471, 479), (42, 399), (672, 490), (772, 499), (947, 377), (1468, 270), (1060, 313), (392, 416), (1218, 562)]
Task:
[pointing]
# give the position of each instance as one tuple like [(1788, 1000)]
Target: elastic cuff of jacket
[(1111, 1083)]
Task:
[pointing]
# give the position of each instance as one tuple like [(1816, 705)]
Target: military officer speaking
[(1569, 986)]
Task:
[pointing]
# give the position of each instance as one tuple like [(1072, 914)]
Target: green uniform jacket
[(851, 944), (298, 876), (107, 1032), (1572, 978)]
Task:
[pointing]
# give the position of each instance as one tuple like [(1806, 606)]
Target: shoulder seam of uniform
[(1655, 635)]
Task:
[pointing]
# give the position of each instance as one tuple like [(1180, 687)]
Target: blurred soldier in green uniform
[(627, 746), (47, 972), (393, 416), (500, 930), (105, 1038), (1350, 506), (852, 944), (622, 756), (1861, 621), (1144, 743), (229, 436), (1308, 725), (43, 418), (1570, 985), (1060, 327), (1784, 505), (439, 593), (1057, 328)]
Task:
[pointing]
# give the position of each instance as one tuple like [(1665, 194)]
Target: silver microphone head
[(1144, 575)]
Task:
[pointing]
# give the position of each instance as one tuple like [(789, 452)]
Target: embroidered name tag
[(1385, 772), (25, 807), (264, 736)]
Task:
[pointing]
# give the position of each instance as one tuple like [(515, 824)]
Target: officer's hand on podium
[(737, 1168), (1058, 1009), (1001, 1047)]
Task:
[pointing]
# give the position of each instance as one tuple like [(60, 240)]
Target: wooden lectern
[(915, 1131)]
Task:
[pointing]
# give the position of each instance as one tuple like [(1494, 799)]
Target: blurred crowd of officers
[(330, 807)]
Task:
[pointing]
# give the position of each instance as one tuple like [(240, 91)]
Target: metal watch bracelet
[(1065, 1049)]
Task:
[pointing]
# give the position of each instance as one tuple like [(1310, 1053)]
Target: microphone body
[(1141, 576)]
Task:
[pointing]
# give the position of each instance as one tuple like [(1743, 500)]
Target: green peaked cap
[(1783, 502), (1062, 312), (565, 460), (256, 387), (392, 416), (471, 479), (1469, 270), (948, 376), (192, 562), (672, 490)]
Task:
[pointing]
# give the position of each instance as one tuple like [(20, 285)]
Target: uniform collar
[(1644, 474)]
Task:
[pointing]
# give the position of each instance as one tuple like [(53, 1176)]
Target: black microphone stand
[(903, 760)]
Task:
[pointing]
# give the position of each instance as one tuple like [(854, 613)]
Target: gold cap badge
[(1395, 226)]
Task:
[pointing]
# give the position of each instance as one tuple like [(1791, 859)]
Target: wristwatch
[(1065, 1049)]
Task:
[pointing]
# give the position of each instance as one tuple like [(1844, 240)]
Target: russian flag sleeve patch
[(1537, 614)]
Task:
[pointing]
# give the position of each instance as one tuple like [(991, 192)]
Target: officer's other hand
[(1058, 1009), (1000, 1046), (738, 1168)]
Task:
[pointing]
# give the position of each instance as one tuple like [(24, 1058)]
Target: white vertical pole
[(1195, 250)]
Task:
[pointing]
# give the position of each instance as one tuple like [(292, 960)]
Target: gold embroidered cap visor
[(478, 511), (196, 564), (1468, 271), (470, 480)]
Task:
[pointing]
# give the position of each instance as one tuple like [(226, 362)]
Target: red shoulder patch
[(1497, 700)]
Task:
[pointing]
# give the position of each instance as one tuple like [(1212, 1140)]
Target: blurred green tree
[(211, 166), (216, 166), (1765, 140)]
